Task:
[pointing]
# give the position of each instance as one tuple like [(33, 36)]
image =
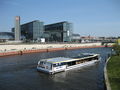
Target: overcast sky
[(89, 17)]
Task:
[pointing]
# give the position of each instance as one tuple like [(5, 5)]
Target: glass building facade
[(32, 31), (6, 36), (59, 32), (56, 32)]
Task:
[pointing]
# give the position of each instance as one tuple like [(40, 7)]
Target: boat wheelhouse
[(58, 64)]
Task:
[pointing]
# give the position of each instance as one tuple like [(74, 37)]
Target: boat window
[(54, 65), (71, 63), (57, 64), (96, 57), (63, 63), (41, 63)]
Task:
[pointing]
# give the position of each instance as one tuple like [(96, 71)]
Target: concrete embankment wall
[(6, 50), (43, 46), (106, 76)]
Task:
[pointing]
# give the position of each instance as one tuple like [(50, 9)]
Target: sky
[(89, 17)]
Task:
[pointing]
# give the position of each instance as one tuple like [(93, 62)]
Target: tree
[(116, 47)]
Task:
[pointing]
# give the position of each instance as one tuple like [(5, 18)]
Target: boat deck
[(65, 59)]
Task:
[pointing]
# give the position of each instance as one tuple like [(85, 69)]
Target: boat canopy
[(65, 59), (58, 60)]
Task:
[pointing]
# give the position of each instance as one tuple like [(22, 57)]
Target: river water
[(19, 72)]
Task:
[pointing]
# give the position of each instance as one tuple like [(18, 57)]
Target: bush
[(116, 47)]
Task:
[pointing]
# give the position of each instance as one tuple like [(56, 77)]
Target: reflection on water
[(62, 76), (19, 72)]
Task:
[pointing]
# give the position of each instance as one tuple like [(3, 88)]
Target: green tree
[(116, 47)]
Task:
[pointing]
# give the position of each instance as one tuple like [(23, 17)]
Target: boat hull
[(69, 67)]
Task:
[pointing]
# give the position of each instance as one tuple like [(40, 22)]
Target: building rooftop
[(31, 22), (57, 23)]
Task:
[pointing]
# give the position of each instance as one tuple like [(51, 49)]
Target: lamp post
[(112, 50)]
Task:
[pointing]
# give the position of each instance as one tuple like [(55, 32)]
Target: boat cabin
[(62, 63)]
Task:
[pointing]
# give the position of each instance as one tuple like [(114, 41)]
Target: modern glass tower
[(32, 30), (17, 28), (59, 32), (29, 31)]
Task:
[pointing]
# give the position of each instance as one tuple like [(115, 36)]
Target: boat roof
[(58, 59), (65, 59)]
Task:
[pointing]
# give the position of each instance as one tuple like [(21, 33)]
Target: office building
[(36, 30), (58, 32), (5, 36), (32, 31)]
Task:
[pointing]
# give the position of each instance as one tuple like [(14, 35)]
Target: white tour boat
[(58, 64)]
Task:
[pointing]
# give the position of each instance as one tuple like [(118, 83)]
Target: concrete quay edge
[(21, 52), (107, 83)]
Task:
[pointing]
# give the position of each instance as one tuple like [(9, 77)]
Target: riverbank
[(113, 70), (6, 50), (107, 84), (18, 47)]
